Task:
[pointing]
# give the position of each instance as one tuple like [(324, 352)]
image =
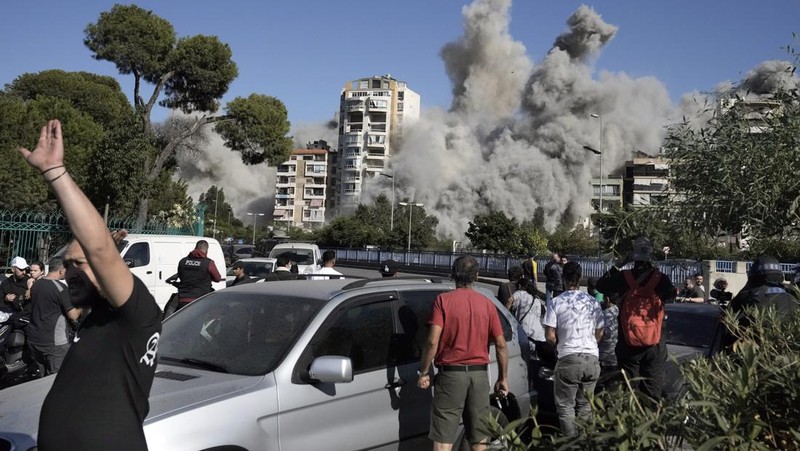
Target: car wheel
[(462, 444)]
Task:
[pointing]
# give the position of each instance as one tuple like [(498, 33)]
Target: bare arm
[(113, 275), (550, 335), (73, 314), (598, 334), (501, 352), (431, 346)]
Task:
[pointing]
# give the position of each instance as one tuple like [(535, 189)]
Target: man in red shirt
[(462, 324)]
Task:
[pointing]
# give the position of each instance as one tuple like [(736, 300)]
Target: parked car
[(254, 267), (291, 365), (689, 330), (306, 255)]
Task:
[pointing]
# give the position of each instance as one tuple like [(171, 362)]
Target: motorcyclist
[(13, 288)]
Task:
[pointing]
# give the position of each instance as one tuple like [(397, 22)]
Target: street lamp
[(600, 153), (391, 220), (254, 215), (216, 201), (410, 209)]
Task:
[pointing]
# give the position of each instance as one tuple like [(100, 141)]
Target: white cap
[(19, 262)]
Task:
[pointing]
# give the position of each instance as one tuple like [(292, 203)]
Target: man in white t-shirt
[(327, 271), (574, 320)]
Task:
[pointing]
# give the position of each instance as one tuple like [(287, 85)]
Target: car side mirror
[(331, 368), (129, 262)]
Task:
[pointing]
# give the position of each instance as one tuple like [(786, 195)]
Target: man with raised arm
[(99, 398)]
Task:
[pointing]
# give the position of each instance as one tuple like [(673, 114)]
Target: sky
[(304, 51), (510, 140)]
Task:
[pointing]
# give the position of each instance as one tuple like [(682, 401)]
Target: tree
[(20, 124), (193, 74), (370, 225), (738, 174), (495, 231), (573, 240), (98, 96)]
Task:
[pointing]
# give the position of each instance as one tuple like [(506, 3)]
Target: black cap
[(388, 268)]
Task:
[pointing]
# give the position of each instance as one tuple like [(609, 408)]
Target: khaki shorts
[(460, 394)]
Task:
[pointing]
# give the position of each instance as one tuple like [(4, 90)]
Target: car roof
[(325, 290)]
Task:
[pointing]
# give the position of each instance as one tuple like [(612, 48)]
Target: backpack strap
[(632, 284), (653, 282)]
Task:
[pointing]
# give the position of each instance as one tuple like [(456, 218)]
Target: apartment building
[(301, 188), (612, 193), (646, 181), (372, 113)]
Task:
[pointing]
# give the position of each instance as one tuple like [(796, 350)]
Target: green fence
[(36, 235)]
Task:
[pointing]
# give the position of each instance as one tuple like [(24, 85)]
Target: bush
[(745, 399)]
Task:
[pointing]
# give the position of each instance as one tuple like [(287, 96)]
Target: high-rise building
[(372, 113), (301, 188)]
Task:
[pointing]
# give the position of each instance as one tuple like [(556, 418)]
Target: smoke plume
[(513, 138)]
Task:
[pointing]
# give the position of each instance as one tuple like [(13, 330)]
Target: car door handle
[(396, 384), (149, 272)]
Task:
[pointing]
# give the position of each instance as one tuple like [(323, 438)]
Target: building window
[(363, 84), (400, 106), (400, 95)]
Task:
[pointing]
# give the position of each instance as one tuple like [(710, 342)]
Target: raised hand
[(49, 152)]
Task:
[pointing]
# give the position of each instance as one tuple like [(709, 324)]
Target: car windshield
[(238, 333), (688, 328), (299, 256)]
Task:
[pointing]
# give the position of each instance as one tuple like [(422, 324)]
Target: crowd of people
[(614, 326)]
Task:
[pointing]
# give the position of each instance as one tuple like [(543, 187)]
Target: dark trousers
[(48, 358), (645, 364)]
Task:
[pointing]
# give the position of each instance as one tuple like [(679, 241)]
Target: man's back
[(468, 320), (283, 275), (576, 316)]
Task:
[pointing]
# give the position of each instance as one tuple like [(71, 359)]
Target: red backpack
[(642, 311)]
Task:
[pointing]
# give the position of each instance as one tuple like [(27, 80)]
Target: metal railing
[(495, 265)]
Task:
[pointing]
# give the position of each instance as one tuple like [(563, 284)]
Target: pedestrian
[(552, 272), (388, 268), (764, 289), (591, 289), (506, 290), (35, 272), (641, 353), (530, 268), (14, 287), (283, 269), (240, 276), (609, 371), (463, 322), (574, 323), (52, 319), (195, 273), (99, 397), (698, 282), (690, 292), (720, 293), (529, 309), (327, 272)]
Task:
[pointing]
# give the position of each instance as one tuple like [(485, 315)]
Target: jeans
[(575, 377)]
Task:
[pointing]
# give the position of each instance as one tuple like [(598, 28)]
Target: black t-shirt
[(49, 305), (195, 278), (613, 281), (99, 398)]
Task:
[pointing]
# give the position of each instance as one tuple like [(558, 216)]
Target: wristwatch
[(420, 373)]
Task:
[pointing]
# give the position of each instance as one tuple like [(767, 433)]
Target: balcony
[(315, 182), (354, 105), (284, 195), (376, 155), (376, 140), (314, 194), (378, 104), (353, 138), (286, 169), (316, 170), (375, 168), (381, 128)]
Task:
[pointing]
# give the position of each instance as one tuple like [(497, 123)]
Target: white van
[(154, 258)]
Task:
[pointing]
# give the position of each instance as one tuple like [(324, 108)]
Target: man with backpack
[(644, 290)]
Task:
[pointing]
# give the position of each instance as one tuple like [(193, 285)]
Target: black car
[(690, 331)]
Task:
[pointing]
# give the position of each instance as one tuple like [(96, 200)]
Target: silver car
[(290, 366)]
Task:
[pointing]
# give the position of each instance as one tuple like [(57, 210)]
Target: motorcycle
[(13, 369)]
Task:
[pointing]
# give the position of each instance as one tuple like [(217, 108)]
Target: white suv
[(291, 366)]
